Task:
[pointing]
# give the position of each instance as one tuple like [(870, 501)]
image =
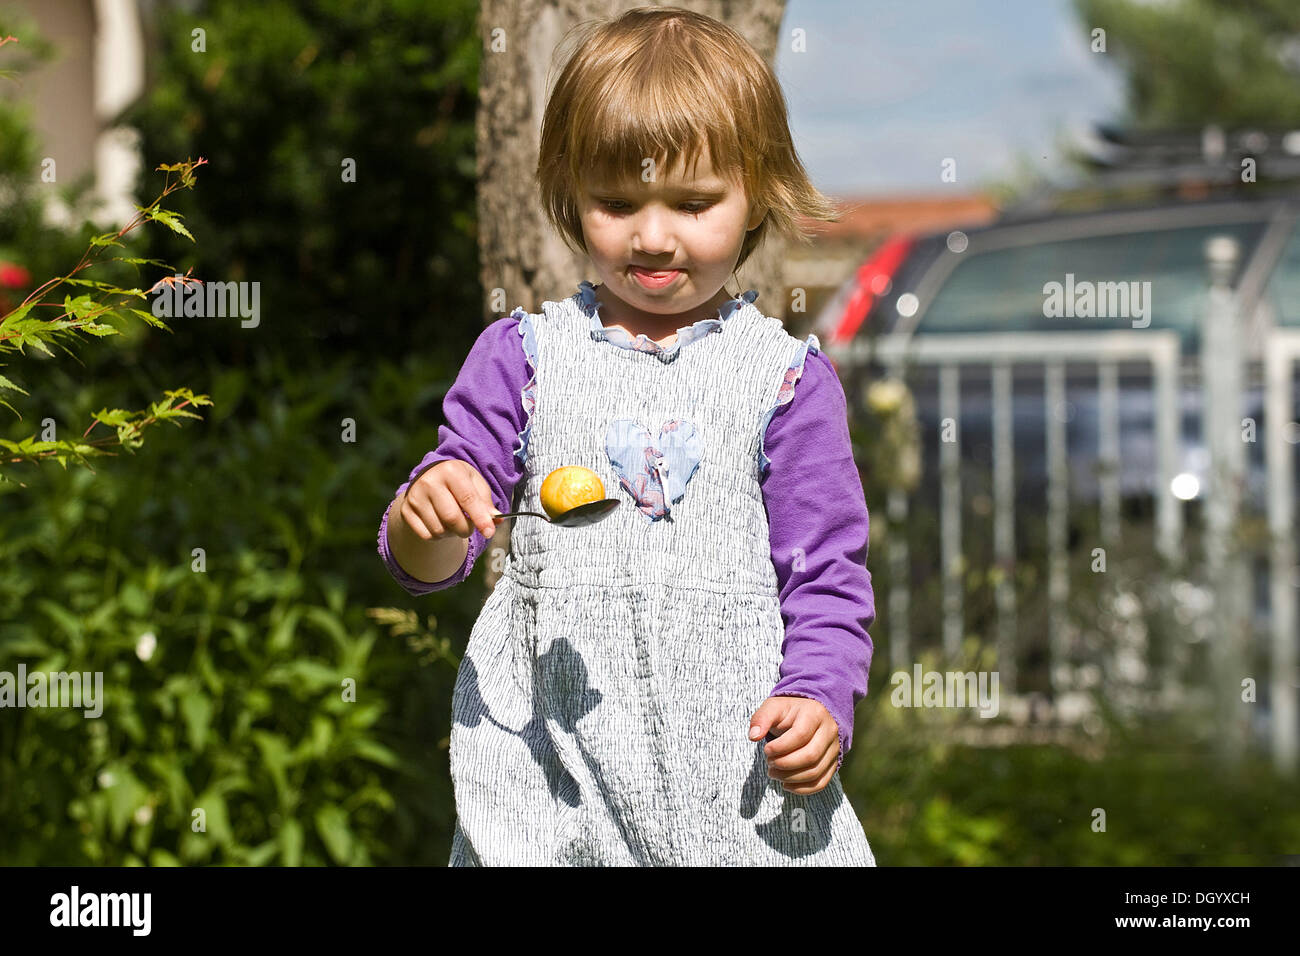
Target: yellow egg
[(566, 488)]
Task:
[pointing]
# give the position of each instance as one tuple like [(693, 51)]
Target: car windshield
[(1003, 289)]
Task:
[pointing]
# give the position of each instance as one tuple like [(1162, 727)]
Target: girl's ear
[(756, 215)]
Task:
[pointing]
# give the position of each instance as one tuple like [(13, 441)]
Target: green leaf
[(150, 318), (213, 805), (275, 755), (330, 624), (5, 383), (82, 307), (322, 733), (363, 715), (281, 637), (124, 797), (375, 752), (61, 616), (197, 708), (312, 676), (172, 221), (106, 287), (136, 261), (18, 313), (332, 825), (290, 838), (168, 768), (260, 854), (118, 416), (33, 340), (98, 328)]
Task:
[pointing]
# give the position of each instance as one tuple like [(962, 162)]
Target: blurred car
[(992, 278)]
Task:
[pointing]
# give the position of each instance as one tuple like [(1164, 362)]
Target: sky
[(888, 89)]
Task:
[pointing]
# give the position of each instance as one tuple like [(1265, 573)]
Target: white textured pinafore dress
[(601, 712)]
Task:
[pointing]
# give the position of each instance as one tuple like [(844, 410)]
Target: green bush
[(240, 708), (284, 92)]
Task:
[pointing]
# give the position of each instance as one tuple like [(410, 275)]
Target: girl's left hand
[(803, 757)]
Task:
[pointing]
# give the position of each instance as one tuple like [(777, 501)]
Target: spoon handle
[(517, 514)]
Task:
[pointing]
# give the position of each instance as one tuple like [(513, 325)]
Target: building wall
[(97, 70)]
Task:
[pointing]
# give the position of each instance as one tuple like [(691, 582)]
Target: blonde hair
[(661, 82)]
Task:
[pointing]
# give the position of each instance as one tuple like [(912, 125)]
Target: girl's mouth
[(655, 279)]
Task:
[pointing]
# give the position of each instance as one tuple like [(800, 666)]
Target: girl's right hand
[(445, 500)]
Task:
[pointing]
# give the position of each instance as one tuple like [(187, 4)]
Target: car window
[(1002, 289), (1284, 285)]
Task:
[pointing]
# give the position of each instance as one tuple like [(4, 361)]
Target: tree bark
[(524, 261)]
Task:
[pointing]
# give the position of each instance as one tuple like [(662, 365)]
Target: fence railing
[(1227, 569), (999, 352)]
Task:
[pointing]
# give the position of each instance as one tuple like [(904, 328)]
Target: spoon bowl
[(578, 517)]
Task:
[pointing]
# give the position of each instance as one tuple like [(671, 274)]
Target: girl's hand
[(803, 757), (445, 500)]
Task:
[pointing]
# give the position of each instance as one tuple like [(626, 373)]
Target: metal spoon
[(589, 513)]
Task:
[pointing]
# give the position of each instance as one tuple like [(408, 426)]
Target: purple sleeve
[(819, 528), (484, 416)]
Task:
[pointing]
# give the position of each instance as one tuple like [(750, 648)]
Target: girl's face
[(690, 231)]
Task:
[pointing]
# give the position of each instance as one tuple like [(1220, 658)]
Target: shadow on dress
[(790, 832), (559, 665)]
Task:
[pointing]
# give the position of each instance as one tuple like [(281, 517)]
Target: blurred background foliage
[(239, 709), (1204, 61), (286, 92), (224, 688)]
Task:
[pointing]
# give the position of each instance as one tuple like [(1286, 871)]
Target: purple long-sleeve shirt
[(817, 512)]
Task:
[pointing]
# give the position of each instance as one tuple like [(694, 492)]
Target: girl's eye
[(617, 205)]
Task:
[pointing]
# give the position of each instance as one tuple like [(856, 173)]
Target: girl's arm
[(819, 530), (484, 416)]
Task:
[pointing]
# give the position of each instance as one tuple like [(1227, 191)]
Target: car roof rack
[(1171, 164)]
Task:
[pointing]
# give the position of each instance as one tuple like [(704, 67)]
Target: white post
[(1279, 364), (950, 512), (1058, 581), (1221, 377), (1004, 523)]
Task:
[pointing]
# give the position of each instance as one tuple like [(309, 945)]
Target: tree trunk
[(524, 261)]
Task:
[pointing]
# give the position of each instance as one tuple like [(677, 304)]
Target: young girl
[(675, 684)]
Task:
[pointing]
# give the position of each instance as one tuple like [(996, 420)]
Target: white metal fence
[(1222, 377)]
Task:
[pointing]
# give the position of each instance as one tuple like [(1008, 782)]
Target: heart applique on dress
[(653, 471)]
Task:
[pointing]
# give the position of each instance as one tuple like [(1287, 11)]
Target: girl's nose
[(652, 234)]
